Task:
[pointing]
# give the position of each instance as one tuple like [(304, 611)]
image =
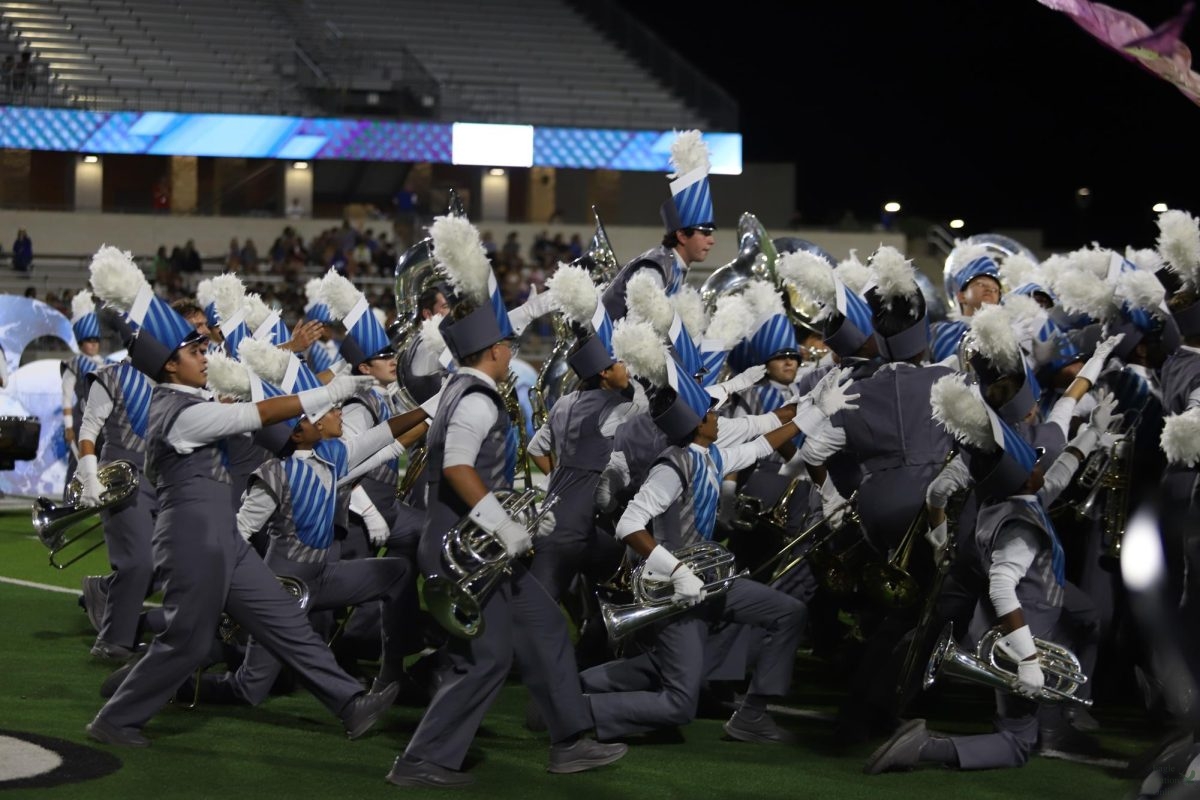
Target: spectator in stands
[(512, 248), (31, 292), (360, 256), (249, 256), (489, 245), (385, 256), (191, 258), (161, 195), (6, 75), (575, 247), (21, 74), (22, 252), (162, 266), (233, 261), (295, 209)]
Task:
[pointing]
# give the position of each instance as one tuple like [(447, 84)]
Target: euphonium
[(990, 667), (119, 480), (475, 560), (600, 261), (653, 599)]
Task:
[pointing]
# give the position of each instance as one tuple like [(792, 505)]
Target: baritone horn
[(52, 521), (989, 667), (475, 561), (653, 598)]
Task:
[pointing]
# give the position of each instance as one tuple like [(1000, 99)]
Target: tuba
[(653, 598), (989, 667), (51, 521), (996, 243), (416, 270), (475, 561), (749, 264)]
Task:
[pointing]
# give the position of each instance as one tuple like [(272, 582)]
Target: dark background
[(992, 111)]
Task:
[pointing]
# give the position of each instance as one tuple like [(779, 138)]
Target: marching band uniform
[(520, 619), (945, 336), (86, 326), (1025, 564), (204, 565)]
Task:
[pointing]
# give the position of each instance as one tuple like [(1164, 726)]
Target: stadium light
[(91, 159), (300, 165), (891, 207), (956, 223), (496, 172), (1083, 191), (1159, 208)]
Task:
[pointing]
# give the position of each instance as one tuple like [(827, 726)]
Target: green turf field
[(292, 747)]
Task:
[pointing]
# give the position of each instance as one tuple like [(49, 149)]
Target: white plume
[(1081, 292), (688, 153), (1052, 268), (764, 301), (960, 410), (256, 310), (312, 289), (228, 377), (573, 292), (1141, 290), (732, 321), (457, 248), (227, 292), (642, 350), (1179, 243), (1027, 315), (808, 274), (82, 303), (1092, 260), (893, 275), (964, 254), (992, 329), (1018, 270), (431, 334), (690, 308), (1180, 439), (1148, 259), (855, 274), (339, 294), (648, 302), (116, 279), (204, 294), (265, 359)]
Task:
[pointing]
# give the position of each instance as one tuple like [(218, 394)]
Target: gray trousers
[(206, 567), (521, 621), (641, 694), (331, 585), (1015, 737), (128, 529)]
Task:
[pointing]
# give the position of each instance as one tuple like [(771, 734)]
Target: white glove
[(662, 565), (727, 503), (377, 527), (1093, 366), (604, 493), (430, 406), (1104, 412), (85, 471), (938, 537), (318, 402), (831, 395), (832, 504), (489, 515), (1030, 678), (1020, 647), (546, 524), (745, 379), (536, 306)]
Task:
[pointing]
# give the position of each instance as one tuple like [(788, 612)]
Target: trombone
[(51, 520)]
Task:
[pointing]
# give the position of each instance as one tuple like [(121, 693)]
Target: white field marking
[(45, 587)]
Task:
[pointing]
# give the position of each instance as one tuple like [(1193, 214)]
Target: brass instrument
[(653, 599), (51, 521), (230, 631), (750, 516), (997, 244), (415, 271), (990, 667), (776, 573), (1116, 505), (888, 583), (555, 378), (508, 390), (476, 560), (599, 259), (412, 471)]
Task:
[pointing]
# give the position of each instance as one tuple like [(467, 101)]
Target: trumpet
[(476, 561), (989, 667), (653, 599), (51, 521)]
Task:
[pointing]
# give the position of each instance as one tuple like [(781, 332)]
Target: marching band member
[(976, 284), (205, 566), (637, 695), (688, 219), (86, 327), (466, 464), (116, 415), (1025, 564), (293, 497)]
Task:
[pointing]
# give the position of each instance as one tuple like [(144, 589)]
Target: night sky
[(995, 112)]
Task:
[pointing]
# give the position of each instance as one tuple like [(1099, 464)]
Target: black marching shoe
[(101, 731), (746, 727), (366, 709), (406, 772), (582, 755), (901, 751)]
